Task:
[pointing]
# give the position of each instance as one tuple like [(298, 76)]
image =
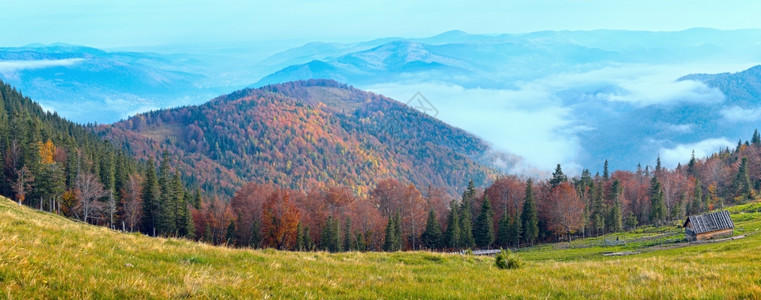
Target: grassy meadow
[(47, 256)]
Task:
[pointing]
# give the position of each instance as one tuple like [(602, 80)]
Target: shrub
[(507, 260)]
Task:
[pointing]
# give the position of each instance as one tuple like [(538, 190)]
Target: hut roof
[(710, 222)]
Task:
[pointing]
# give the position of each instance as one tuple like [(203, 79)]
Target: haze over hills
[(307, 134), (587, 95), (592, 95)]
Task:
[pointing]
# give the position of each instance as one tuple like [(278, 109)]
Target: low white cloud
[(8, 67), (638, 84), (532, 124), (739, 114), (682, 153)]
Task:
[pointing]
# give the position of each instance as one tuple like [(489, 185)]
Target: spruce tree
[(605, 173), (327, 234), (697, 198), (503, 233), (598, 207), (398, 241), (431, 237), (657, 209), (150, 199), (256, 236), (515, 232), (742, 182), (529, 216), (300, 246), (165, 220), (452, 234), (483, 231), (466, 228), (557, 177), (615, 218), (348, 236), (230, 235)]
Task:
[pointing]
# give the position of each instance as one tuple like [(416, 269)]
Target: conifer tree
[(605, 173), (452, 234), (300, 246), (515, 232), (742, 182), (615, 218), (529, 218), (466, 228), (756, 140), (598, 207), (230, 235), (165, 220), (503, 233), (557, 177), (483, 231), (150, 199), (256, 236), (398, 242), (348, 236), (431, 237), (697, 198), (657, 208)]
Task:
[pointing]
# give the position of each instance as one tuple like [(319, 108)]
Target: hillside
[(47, 256), (303, 134)]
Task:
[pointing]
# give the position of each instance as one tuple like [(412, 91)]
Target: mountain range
[(572, 97)]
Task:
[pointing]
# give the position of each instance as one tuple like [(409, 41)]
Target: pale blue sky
[(109, 24)]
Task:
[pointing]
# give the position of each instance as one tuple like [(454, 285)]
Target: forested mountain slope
[(305, 134)]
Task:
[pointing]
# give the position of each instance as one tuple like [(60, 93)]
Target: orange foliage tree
[(280, 219), (567, 211)]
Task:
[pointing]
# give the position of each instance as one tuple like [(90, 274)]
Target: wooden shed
[(707, 226)]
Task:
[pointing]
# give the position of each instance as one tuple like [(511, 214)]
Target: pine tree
[(691, 164), (483, 231), (557, 177), (389, 241), (657, 208), (326, 236), (197, 198), (697, 198), (529, 218), (756, 140), (515, 232), (230, 236), (598, 207), (300, 246), (398, 243), (452, 234), (742, 182), (503, 233), (615, 218), (431, 237), (165, 220), (256, 236), (150, 199), (307, 239), (466, 228), (182, 213), (348, 243), (605, 173)]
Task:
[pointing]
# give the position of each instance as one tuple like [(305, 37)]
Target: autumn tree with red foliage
[(279, 220), (567, 211)]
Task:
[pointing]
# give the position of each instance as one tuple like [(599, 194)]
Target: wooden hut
[(707, 226)]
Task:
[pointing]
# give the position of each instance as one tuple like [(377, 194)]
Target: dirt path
[(674, 246)]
